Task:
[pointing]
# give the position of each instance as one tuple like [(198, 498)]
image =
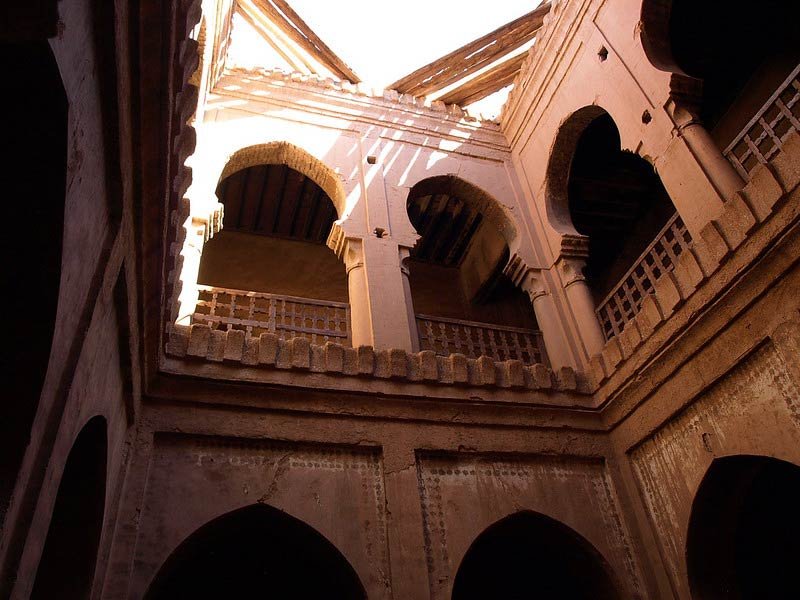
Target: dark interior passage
[(67, 566), (740, 50), (256, 552), (277, 221), (456, 268), (528, 555), (744, 532), (617, 200), (34, 179)]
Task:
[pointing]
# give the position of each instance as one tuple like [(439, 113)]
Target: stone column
[(719, 169), (358, 293), (581, 303), (695, 173), (547, 318), (381, 311), (409, 302)]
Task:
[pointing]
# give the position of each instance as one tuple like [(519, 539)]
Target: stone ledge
[(719, 239), (200, 342)]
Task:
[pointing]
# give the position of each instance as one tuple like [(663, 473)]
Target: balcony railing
[(625, 300), (454, 336), (763, 137), (286, 316)]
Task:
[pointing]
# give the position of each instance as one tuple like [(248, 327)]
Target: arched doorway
[(616, 199), (744, 531), (67, 565), (269, 270), (462, 299), (740, 54), (256, 552), (34, 180), (529, 555)]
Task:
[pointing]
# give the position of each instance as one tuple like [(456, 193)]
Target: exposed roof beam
[(473, 56), (271, 34), (290, 23), (486, 83)]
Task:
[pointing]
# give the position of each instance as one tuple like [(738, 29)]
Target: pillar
[(547, 318), (581, 303), (719, 169), (358, 294), (405, 253), (381, 311), (695, 173)]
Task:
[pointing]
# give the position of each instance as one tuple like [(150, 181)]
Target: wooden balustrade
[(453, 336), (763, 137), (625, 300), (286, 316)]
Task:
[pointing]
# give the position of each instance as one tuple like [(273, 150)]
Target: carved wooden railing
[(286, 316), (625, 300), (763, 137), (453, 336)]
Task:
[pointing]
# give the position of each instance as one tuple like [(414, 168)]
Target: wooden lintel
[(473, 56), (486, 83)]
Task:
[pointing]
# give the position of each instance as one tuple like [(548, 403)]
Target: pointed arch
[(245, 552), (743, 529), (527, 554), (67, 565)]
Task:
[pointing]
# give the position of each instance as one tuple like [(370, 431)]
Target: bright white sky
[(383, 40)]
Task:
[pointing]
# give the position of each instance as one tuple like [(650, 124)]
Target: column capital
[(528, 279), (571, 270)]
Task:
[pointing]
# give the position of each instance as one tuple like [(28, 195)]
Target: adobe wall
[(89, 372), (399, 458), (401, 498)]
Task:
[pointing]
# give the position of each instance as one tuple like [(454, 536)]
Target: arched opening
[(463, 300), (67, 566), (703, 37), (530, 555), (269, 269), (742, 541), (253, 552), (746, 58), (616, 199), (35, 132)]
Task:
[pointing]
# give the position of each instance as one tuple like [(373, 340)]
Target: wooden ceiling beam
[(472, 57), (290, 23), (485, 84)]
